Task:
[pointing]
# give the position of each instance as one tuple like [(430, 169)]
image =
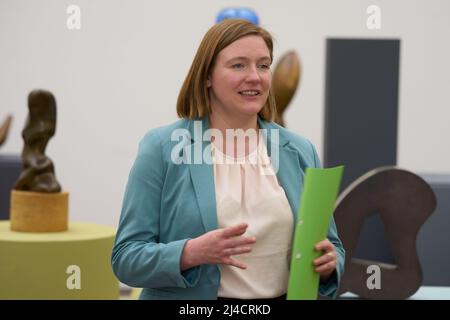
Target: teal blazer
[(165, 204)]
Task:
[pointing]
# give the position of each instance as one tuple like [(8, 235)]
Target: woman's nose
[(253, 75)]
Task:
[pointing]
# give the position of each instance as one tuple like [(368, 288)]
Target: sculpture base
[(39, 212), (75, 264)]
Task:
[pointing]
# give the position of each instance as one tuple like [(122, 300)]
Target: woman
[(205, 216)]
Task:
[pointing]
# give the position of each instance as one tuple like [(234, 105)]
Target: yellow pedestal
[(39, 212), (74, 264)]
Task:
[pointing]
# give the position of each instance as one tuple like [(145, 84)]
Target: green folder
[(316, 208)]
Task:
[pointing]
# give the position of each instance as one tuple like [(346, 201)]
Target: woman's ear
[(208, 83)]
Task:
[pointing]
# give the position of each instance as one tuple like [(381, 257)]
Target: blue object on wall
[(238, 13)]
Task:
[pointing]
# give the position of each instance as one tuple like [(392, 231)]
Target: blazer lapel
[(202, 174), (289, 174), (290, 177)]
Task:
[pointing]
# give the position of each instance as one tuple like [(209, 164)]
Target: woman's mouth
[(249, 93)]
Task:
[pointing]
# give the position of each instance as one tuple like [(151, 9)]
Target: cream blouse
[(247, 190)]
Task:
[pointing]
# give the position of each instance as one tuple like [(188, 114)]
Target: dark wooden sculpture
[(4, 129), (38, 173), (404, 202), (286, 77)]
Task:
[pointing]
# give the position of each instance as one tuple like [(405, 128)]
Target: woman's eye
[(264, 66), (238, 66)]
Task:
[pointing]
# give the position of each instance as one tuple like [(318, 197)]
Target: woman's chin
[(251, 110)]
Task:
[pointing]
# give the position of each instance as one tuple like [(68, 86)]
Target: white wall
[(120, 74)]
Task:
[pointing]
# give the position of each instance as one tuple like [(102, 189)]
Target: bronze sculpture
[(38, 172), (404, 202), (286, 77), (4, 128)]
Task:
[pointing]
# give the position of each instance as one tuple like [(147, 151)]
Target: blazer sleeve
[(331, 286), (138, 258)]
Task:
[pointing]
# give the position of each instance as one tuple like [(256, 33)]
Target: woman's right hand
[(217, 247)]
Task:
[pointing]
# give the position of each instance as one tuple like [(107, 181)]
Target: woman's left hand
[(326, 263)]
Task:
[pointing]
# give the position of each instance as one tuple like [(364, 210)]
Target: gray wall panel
[(361, 105), (10, 167)]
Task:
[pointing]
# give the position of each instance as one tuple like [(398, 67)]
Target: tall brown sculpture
[(4, 129), (38, 172), (37, 203), (285, 80), (404, 202)]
